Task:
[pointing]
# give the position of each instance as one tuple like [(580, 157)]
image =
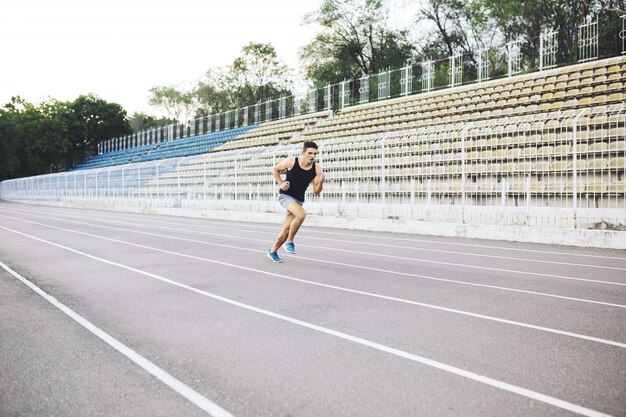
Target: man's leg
[(284, 232), (299, 215)]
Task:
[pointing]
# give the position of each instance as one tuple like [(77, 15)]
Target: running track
[(109, 313)]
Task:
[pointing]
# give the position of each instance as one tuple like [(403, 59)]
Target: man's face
[(309, 155)]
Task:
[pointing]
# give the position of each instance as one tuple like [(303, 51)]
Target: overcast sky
[(119, 49)]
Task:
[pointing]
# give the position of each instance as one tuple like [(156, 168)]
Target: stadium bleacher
[(194, 145), (554, 139)]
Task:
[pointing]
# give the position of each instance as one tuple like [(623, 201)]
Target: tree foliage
[(176, 104), (54, 135), (142, 121), (465, 26), (256, 75), (355, 40)]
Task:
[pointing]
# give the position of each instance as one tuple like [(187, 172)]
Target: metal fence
[(513, 58), (562, 169)]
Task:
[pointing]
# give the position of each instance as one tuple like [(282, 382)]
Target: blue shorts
[(285, 200)]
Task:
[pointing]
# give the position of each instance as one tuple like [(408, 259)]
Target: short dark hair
[(309, 144)]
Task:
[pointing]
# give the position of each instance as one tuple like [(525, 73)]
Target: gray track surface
[(548, 319)]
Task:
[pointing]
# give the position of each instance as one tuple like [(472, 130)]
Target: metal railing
[(415, 78), (564, 169)]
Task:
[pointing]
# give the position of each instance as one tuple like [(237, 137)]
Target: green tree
[(255, 75), (356, 40), (91, 120), (143, 121), (459, 26), (10, 162), (258, 75), (468, 25), (33, 138), (54, 135), (178, 105), (211, 93)]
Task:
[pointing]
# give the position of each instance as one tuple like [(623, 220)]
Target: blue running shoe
[(274, 256), (289, 247)]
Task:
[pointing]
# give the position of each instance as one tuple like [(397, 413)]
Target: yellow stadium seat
[(473, 155), (598, 147), (615, 87), (486, 187), (596, 164), (555, 187), (545, 151), (597, 187), (581, 165), (613, 69), (601, 99), (614, 77), (582, 148), (617, 163), (542, 166), (562, 149), (500, 154), (537, 187), (514, 153), (562, 77), (544, 107), (617, 187), (549, 137), (617, 146), (509, 167), (570, 103), (557, 105), (600, 71), (518, 187), (493, 168), (530, 152), (492, 142), (600, 79), (472, 188), (617, 132)]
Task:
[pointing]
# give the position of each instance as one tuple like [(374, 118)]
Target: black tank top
[(299, 180)]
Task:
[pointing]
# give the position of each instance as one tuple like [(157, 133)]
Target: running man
[(301, 171)]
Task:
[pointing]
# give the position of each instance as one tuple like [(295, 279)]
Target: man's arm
[(283, 165), (318, 181)]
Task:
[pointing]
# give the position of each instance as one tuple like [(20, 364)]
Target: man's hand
[(285, 186)]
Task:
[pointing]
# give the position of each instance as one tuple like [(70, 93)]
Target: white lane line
[(239, 237), (479, 255), (338, 288), (534, 395), (218, 224), (510, 271), (319, 260), (307, 230), (187, 392)]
